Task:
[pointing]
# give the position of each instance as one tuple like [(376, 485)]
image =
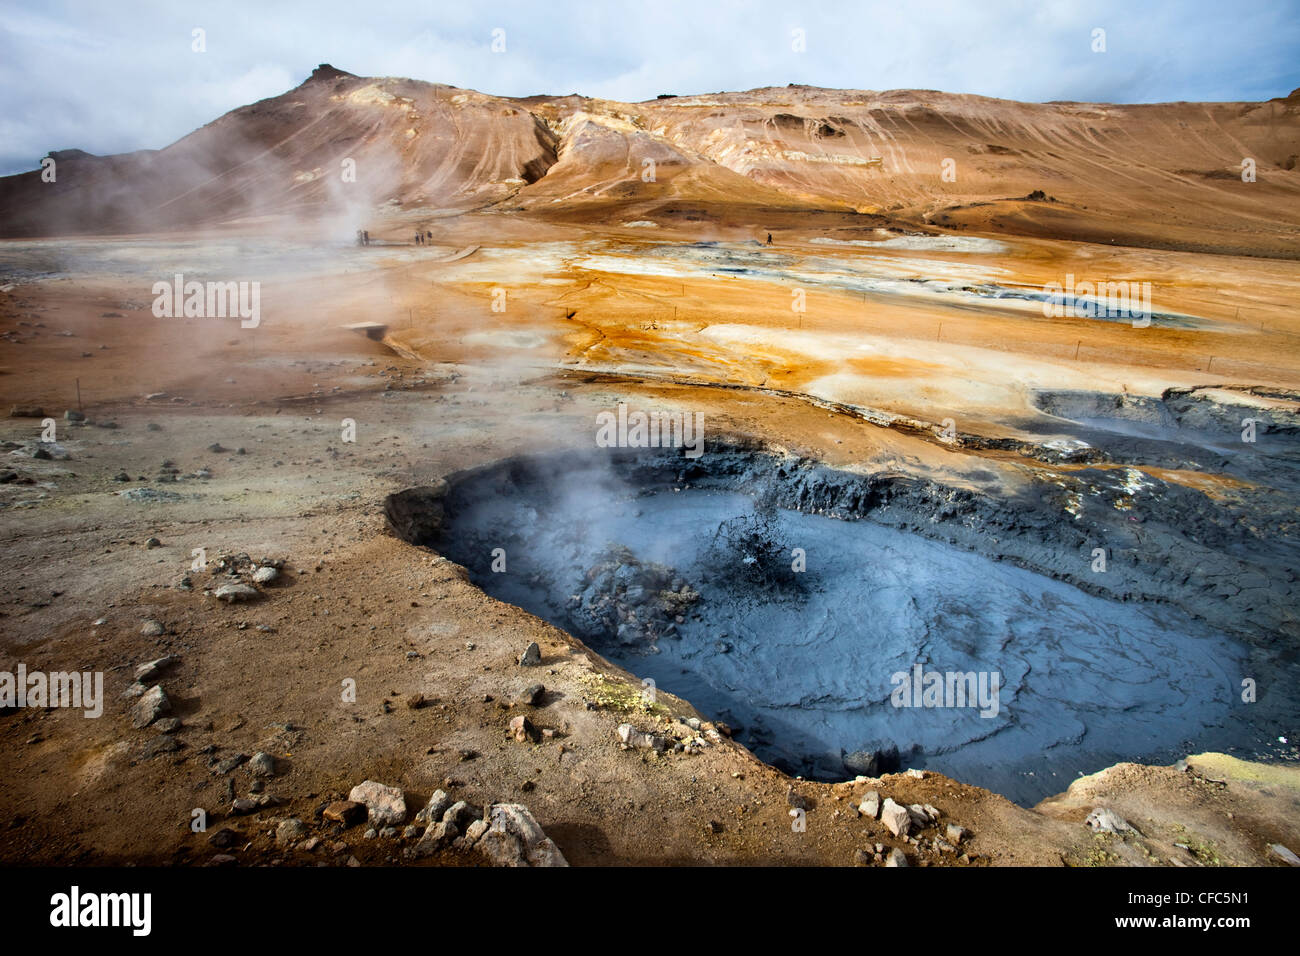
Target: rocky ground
[(317, 660)]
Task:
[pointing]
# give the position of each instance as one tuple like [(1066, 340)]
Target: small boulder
[(290, 831), (235, 593), (435, 808), (522, 730), (152, 704), (262, 764), (531, 657), (1283, 854), (1103, 820), (151, 669), (265, 575), (386, 806), (896, 818), (514, 838)]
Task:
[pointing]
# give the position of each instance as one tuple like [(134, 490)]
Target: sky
[(115, 77)]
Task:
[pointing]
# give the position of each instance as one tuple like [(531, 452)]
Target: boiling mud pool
[(809, 677)]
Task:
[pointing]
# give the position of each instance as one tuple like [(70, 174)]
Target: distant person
[(429, 236), (365, 237), (769, 238)]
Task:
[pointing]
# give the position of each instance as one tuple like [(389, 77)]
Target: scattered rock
[(474, 832), (531, 657), (415, 701), (168, 725), (229, 763), (386, 805), (265, 575), (514, 838), (435, 808), (896, 858), (956, 834), (435, 838), (151, 705), (896, 818), (150, 542), (290, 831), (27, 411), (233, 593), (522, 730), (1283, 854), (1102, 820), (152, 669), (262, 764), (459, 814), (346, 812), (870, 805), (152, 628), (532, 695), (632, 737), (224, 838)]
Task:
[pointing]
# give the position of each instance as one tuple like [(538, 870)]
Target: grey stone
[(386, 806), (151, 705), (896, 858), (234, 593), (262, 764), (531, 657), (435, 808), (514, 838), (152, 669), (632, 737), (870, 805), (896, 818), (1103, 820), (1283, 854), (290, 831)]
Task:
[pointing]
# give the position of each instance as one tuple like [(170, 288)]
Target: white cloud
[(105, 80)]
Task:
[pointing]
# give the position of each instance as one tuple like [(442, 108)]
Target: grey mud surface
[(1144, 661)]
